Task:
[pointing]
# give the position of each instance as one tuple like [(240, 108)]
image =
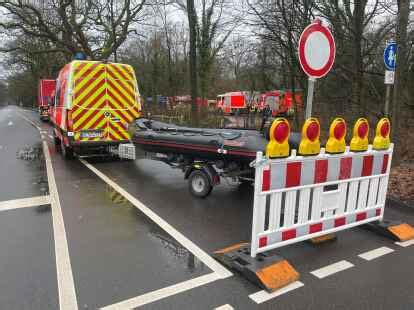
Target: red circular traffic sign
[(316, 50)]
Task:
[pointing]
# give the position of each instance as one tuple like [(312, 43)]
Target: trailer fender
[(208, 169)]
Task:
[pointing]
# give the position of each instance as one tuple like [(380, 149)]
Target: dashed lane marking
[(224, 307), (198, 252), (163, 293), (370, 255), (405, 244), (262, 296), (24, 203), (332, 269)]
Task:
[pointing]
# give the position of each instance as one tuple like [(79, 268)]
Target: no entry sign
[(316, 50)]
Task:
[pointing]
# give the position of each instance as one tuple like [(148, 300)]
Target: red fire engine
[(231, 102), (280, 102), (45, 98)]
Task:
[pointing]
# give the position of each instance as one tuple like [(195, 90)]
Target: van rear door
[(104, 101)]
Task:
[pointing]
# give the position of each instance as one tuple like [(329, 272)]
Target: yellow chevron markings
[(79, 83), (127, 71), (90, 110), (119, 102), (121, 129), (119, 78), (94, 119), (80, 96), (80, 72), (87, 106), (121, 91)]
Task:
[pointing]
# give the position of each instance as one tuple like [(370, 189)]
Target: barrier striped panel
[(105, 97), (324, 226), (299, 198), (325, 168)]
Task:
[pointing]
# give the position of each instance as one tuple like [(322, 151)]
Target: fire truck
[(95, 102), (280, 101), (231, 102), (45, 98)]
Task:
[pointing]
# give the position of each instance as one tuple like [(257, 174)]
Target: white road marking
[(24, 203), (66, 286), (331, 269), (405, 244), (164, 292), (370, 255), (31, 122), (262, 296), (199, 253), (224, 307)]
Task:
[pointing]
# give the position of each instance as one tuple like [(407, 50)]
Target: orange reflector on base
[(324, 238), (268, 271), (277, 275), (403, 231), (231, 248)]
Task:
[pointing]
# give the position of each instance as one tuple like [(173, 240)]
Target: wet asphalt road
[(117, 253)]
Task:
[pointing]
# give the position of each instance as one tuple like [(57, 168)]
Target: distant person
[(267, 112)]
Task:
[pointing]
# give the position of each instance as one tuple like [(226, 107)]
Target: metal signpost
[(316, 56), (390, 61)]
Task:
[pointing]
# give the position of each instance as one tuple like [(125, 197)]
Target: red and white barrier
[(299, 198)]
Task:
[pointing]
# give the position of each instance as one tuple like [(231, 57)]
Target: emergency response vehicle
[(280, 102), (94, 104), (45, 98), (231, 102)]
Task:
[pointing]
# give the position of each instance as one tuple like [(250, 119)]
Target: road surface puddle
[(175, 251), (34, 158), (172, 251)]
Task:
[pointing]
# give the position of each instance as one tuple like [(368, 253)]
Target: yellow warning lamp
[(337, 132), (382, 135), (310, 144), (278, 145), (359, 141)]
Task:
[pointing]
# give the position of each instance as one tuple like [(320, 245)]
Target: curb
[(400, 203)]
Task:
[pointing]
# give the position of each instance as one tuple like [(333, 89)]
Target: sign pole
[(309, 98), (387, 100)]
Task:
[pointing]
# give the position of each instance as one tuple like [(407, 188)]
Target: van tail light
[(69, 120)]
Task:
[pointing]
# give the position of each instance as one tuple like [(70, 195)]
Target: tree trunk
[(358, 28), (192, 24), (402, 24)]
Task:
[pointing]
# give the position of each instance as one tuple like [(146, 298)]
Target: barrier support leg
[(270, 272), (395, 230), (323, 239)]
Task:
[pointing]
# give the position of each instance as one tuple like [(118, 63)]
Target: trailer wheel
[(199, 183), (67, 151)]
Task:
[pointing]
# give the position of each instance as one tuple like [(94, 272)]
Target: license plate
[(91, 134)]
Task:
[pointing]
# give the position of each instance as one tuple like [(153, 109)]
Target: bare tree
[(401, 70), (97, 28)]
